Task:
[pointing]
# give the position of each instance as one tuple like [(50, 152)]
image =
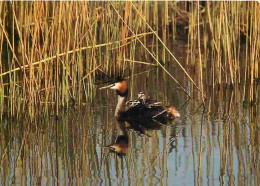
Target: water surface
[(212, 146)]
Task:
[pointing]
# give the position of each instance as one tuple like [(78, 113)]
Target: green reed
[(51, 53)]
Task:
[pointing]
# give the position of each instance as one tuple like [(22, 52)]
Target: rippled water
[(218, 145)]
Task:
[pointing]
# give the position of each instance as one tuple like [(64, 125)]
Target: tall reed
[(230, 42), (53, 52)]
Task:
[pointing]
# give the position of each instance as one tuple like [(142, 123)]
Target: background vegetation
[(55, 52)]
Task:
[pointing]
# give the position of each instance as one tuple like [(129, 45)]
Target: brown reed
[(52, 52)]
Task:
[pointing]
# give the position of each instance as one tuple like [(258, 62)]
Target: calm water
[(217, 146)]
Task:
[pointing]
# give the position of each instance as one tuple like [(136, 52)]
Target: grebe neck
[(120, 107)]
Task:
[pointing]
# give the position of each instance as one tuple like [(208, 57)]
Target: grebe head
[(120, 146), (120, 87), (141, 95)]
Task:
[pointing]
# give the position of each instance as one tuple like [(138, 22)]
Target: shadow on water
[(218, 145)]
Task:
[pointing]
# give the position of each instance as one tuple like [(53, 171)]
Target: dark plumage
[(143, 111)]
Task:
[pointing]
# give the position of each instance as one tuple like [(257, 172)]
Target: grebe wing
[(132, 103), (143, 111)]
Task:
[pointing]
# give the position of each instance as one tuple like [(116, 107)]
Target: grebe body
[(142, 108)]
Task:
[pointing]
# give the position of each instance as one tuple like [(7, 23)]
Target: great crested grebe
[(142, 108)]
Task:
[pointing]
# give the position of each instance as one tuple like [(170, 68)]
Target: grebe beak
[(108, 86)]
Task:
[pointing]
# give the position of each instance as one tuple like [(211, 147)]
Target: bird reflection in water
[(140, 126), (122, 141)]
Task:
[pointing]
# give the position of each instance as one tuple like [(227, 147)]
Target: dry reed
[(52, 52)]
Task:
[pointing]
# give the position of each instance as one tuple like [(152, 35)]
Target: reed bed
[(53, 53), (224, 38)]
